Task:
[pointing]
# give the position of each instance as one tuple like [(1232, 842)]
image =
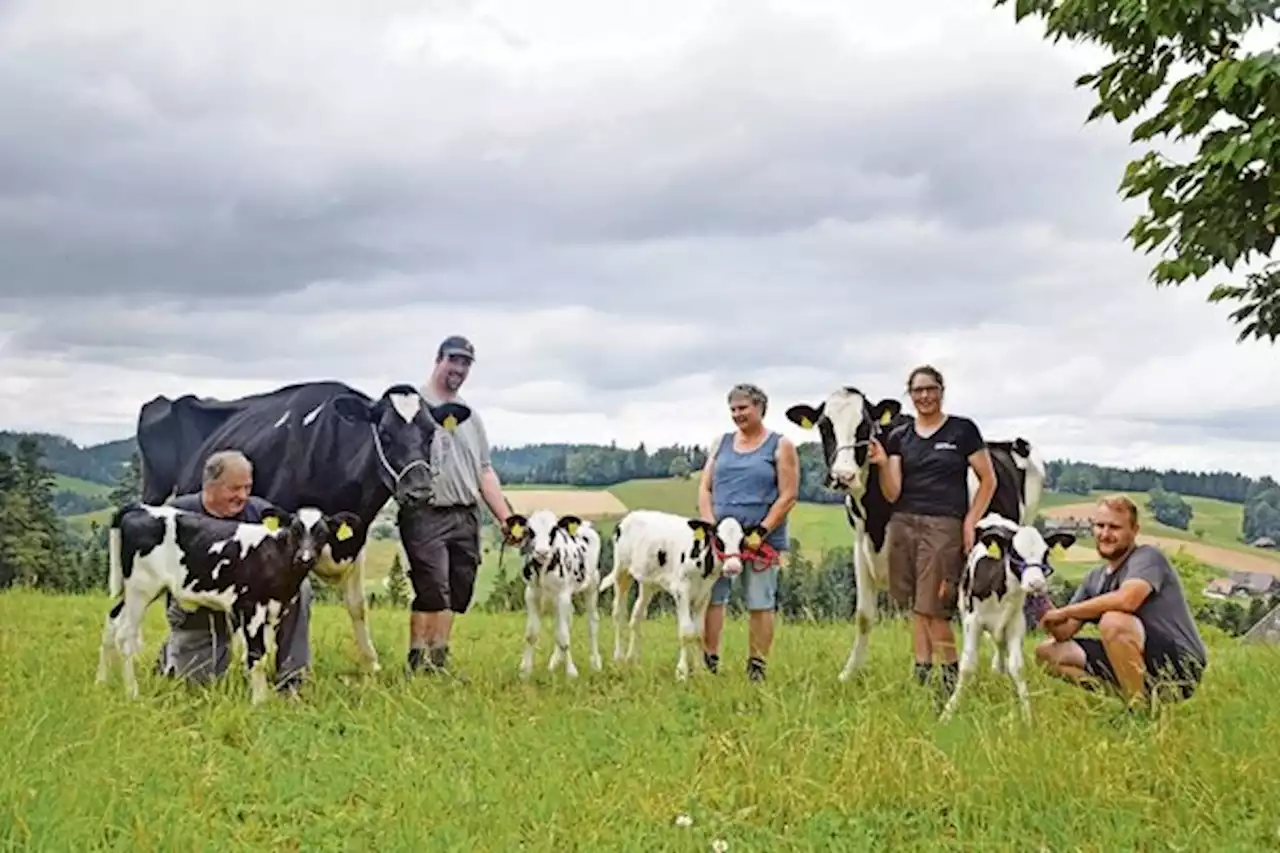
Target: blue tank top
[(745, 485)]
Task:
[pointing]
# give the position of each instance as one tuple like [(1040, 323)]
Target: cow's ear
[(804, 416), (1062, 540), (701, 529), (885, 411), (351, 408), (449, 415), (274, 518), (343, 525), (517, 527), (570, 524)]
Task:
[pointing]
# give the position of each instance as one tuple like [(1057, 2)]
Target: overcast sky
[(610, 199)]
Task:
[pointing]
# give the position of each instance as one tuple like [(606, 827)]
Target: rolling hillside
[(818, 527)]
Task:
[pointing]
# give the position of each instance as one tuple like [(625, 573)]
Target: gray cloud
[(723, 194)]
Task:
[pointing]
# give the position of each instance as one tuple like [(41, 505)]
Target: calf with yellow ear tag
[(517, 529), (345, 541)]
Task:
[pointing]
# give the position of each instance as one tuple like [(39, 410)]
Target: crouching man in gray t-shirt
[(1148, 637)]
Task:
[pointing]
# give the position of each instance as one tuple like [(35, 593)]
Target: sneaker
[(712, 662), (755, 669)]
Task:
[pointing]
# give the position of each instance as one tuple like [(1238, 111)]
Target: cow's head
[(724, 542), (1026, 551), (307, 532), (402, 425), (846, 423), (537, 534)]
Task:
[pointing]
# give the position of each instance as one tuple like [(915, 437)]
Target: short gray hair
[(216, 465), (752, 393)]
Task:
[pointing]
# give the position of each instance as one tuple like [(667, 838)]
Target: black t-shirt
[(935, 469)]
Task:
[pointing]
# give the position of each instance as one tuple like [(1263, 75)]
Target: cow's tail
[(115, 574), (115, 565)]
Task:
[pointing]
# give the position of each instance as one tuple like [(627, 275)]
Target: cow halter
[(761, 558), (382, 457)]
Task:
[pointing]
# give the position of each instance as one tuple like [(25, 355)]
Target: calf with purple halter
[(1008, 563), (249, 571), (847, 421), (560, 560)]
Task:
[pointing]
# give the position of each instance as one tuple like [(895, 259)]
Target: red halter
[(762, 557)]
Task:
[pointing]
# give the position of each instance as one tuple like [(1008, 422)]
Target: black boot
[(414, 662), (950, 673), (712, 662), (922, 673), (755, 669)]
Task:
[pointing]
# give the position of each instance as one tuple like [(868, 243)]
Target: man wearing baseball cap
[(443, 539)]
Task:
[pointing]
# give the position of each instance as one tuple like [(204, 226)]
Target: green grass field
[(610, 762), (87, 488)]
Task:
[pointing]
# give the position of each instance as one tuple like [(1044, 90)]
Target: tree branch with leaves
[(1221, 208)]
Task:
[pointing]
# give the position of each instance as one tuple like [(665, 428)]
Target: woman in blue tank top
[(753, 475)]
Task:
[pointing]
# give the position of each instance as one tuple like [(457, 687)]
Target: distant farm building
[(1264, 542), (1243, 585)]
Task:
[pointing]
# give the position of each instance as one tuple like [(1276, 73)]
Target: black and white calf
[(681, 556), (846, 422), (320, 444), (249, 571), (561, 559), (1008, 562)]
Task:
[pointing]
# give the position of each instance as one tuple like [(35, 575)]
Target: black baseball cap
[(456, 345)]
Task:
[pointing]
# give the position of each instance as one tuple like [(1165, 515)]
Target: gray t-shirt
[(458, 458), (1165, 612)]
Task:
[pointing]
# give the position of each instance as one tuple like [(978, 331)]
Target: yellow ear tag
[(517, 531), (450, 423), (271, 523), (699, 534), (885, 418), (753, 541), (805, 423), (344, 532), (573, 530), (993, 550)]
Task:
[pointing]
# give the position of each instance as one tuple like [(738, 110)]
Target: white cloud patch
[(627, 208)]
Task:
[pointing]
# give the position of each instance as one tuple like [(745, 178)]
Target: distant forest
[(605, 465)]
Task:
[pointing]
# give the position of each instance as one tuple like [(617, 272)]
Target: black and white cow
[(561, 559), (249, 571), (846, 422), (684, 557), (1008, 563), (318, 444)]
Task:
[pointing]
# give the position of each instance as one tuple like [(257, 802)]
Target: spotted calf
[(249, 571), (680, 556), (561, 560), (1008, 562)]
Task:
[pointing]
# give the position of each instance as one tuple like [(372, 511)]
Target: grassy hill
[(78, 486), (815, 527)]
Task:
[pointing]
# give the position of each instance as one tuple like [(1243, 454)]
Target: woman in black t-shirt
[(924, 472)]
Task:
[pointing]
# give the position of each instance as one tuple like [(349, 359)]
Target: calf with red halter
[(681, 556), (1008, 563), (847, 423), (249, 571), (561, 559)]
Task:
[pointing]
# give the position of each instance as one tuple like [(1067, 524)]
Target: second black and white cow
[(249, 571), (1008, 562), (319, 444), (846, 422), (560, 560)]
